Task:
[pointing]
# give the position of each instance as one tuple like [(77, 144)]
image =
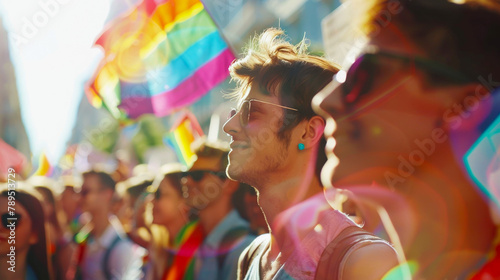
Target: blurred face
[(168, 204), (253, 211), (202, 187), (93, 196), (24, 234), (256, 149), (48, 209), (125, 210), (376, 114), (69, 199), (142, 213)]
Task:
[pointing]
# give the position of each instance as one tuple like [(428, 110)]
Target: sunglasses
[(371, 70), (10, 218), (157, 194), (246, 108), (87, 191), (198, 175)]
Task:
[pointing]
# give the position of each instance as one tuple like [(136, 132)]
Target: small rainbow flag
[(183, 133), (161, 56), (44, 166)]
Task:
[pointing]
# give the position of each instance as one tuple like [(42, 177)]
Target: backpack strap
[(249, 254), (331, 258), (105, 265), (228, 242)]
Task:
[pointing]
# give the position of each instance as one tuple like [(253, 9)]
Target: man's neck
[(174, 228), (276, 198), (213, 214), (457, 207), (99, 224)]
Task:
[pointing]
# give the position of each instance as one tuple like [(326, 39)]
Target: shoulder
[(250, 252), (369, 260), (124, 249), (357, 254), (257, 243), (262, 239)]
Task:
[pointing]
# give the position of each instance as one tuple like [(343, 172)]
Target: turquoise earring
[(301, 147)]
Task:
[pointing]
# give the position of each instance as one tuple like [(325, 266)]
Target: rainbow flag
[(44, 166), (161, 56), (190, 238), (183, 133)]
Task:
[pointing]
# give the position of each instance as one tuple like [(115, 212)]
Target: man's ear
[(313, 131)]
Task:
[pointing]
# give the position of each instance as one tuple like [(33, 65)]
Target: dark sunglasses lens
[(359, 79), (197, 175), (8, 219)]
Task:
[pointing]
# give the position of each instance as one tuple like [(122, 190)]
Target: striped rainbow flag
[(161, 56), (184, 132)]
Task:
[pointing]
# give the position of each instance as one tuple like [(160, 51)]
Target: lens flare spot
[(341, 76), (376, 130), (402, 271), (318, 228)]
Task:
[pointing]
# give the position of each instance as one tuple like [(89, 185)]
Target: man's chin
[(234, 171)]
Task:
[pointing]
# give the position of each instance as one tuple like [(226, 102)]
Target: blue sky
[(51, 49)]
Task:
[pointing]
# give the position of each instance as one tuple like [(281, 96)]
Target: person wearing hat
[(211, 249)]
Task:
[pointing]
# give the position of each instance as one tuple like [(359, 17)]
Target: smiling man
[(278, 148)]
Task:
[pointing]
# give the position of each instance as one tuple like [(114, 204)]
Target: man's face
[(256, 149), (68, 198), (376, 114), (92, 194), (202, 184)]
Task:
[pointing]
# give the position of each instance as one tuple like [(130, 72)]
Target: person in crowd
[(24, 256), (104, 251), (170, 215), (252, 209), (403, 120), (212, 245), (278, 147), (133, 195), (68, 199), (60, 248)]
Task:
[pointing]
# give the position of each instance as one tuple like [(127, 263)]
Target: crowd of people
[(331, 173)]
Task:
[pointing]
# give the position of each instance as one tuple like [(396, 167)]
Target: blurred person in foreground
[(213, 244), (104, 251), (278, 147), (25, 220), (402, 119)]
